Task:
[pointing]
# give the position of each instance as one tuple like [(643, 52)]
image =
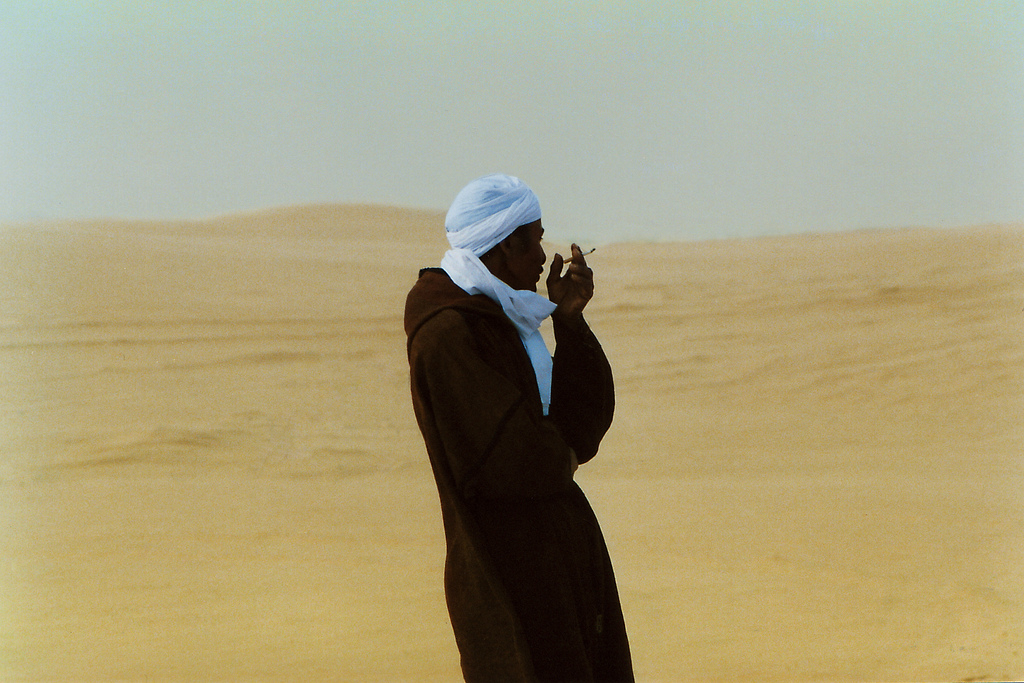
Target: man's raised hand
[(570, 291)]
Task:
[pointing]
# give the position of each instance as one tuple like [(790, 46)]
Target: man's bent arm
[(583, 391)]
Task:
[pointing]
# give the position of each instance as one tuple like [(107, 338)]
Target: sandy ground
[(209, 467)]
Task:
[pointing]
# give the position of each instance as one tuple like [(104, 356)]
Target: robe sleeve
[(582, 389), (496, 444)]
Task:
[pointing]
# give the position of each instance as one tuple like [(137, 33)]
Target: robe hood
[(434, 292)]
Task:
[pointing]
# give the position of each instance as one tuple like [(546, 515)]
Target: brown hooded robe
[(528, 579)]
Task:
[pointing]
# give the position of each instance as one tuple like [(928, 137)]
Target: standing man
[(528, 579)]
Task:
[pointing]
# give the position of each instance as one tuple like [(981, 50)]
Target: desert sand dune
[(210, 468)]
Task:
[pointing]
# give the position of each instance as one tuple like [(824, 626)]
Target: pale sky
[(630, 119)]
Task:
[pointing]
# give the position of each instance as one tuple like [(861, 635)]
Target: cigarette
[(569, 260)]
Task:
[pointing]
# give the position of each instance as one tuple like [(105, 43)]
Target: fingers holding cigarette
[(585, 253), (571, 290)]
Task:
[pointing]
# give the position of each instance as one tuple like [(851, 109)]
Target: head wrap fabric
[(488, 210), (484, 213)]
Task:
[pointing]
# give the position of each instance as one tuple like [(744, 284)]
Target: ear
[(511, 245), (496, 256)]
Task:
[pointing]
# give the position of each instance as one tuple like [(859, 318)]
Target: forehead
[(534, 230)]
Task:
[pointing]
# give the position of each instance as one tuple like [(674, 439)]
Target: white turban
[(484, 213), (488, 210)]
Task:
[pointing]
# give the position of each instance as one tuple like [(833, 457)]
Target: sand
[(210, 470)]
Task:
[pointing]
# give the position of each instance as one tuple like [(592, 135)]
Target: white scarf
[(526, 309), (488, 210)]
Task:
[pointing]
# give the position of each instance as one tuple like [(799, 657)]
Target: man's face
[(525, 257)]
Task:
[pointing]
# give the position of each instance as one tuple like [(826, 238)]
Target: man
[(528, 580)]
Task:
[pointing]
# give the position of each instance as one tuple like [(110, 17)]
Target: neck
[(495, 262)]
